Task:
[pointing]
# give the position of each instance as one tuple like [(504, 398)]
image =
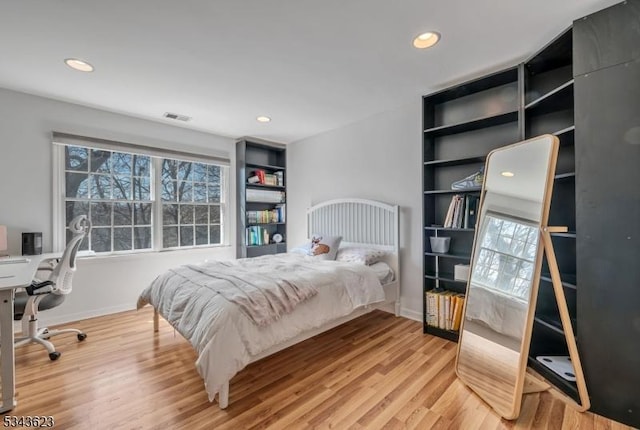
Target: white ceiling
[(312, 66)]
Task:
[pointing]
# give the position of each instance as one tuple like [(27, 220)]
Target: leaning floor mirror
[(508, 249)]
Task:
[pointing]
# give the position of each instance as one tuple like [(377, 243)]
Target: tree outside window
[(114, 189)]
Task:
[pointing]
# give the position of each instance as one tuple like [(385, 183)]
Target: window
[(114, 190), (143, 202), (190, 203)]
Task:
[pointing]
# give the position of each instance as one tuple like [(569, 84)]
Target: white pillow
[(360, 254), (325, 247), (304, 249)]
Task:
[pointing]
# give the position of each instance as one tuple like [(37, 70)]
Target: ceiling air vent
[(177, 116)]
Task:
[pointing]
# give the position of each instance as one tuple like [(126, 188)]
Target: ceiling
[(312, 66)]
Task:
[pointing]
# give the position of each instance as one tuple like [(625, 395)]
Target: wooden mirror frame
[(524, 383)]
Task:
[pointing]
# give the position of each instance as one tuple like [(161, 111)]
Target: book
[(449, 217), (471, 209), (457, 312), (432, 308), (260, 174)]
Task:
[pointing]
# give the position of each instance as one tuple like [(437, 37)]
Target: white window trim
[(59, 197)]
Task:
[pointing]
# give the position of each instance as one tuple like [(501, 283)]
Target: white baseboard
[(63, 319), (411, 314)]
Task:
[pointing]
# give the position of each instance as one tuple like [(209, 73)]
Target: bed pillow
[(325, 247), (360, 254)]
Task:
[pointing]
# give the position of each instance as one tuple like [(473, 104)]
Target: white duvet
[(226, 339)]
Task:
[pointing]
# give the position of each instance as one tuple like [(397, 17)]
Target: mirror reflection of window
[(506, 256)]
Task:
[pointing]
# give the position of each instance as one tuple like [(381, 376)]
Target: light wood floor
[(372, 373)]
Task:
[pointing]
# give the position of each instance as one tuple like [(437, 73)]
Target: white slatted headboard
[(362, 222)]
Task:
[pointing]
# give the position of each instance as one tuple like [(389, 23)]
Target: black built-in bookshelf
[(461, 126), (253, 156), (549, 109), (582, 87)]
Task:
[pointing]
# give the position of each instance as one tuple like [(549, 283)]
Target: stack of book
[(267, 216), (256, 235), (462, 211), (444, 309), (262, 178)]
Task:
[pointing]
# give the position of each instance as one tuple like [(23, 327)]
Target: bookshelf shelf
[(560, 99), (265, 223), (271, 187), (456, 161), (556, 91), (265, 166), (553, 324), (565, 175), (567, 386), (473, 124), (568, 280), (438, 228), (263, 202), (569, 235), (565, 131), (446, 277), (266, 245), (449, 255), (465, 191), (447, 334)]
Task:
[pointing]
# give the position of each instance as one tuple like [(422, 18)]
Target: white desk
[(12, 276)]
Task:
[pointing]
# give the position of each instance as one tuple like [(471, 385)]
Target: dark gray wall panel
[(607, 38), (607, 111)]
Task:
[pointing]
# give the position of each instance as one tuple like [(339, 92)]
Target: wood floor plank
[(375, 372)]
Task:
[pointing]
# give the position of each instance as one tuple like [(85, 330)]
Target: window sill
[(144, 254)]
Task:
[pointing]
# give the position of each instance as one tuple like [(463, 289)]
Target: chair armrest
[(37, 288)]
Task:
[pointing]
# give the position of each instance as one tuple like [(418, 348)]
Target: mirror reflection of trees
[(114, 190), (506, 256)]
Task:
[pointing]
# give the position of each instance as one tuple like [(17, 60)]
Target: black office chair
[(40, 296)]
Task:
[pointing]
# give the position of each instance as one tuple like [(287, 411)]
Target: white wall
[(102, 284), (377, 158)]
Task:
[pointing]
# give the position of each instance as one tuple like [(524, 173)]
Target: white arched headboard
[(361, 222)]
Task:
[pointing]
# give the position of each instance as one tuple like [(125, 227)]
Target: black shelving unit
[(549, 108), (253, 155), (461, 125), (525, 101)]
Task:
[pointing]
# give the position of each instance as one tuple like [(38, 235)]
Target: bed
[(229, 332)]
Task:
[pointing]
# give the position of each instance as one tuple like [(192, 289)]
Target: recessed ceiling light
[(508, 174), (77, 64), (263, 119), (426, 40)]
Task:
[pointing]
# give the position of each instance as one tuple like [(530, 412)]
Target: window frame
[(59, 196)]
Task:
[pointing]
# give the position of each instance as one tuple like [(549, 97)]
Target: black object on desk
[(31, 243)]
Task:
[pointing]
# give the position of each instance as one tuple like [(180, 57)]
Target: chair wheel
[(82, 336), (53, 356)]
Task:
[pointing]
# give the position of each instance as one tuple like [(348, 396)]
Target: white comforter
[(226, 339)]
